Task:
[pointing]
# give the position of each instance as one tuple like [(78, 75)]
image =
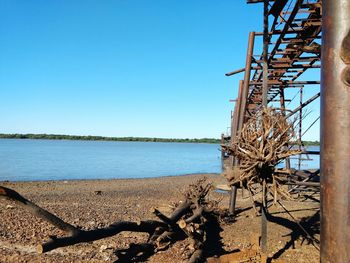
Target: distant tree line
[(311, 143), (102, 138)]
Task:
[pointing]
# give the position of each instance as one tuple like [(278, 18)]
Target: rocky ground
[(76, 202)]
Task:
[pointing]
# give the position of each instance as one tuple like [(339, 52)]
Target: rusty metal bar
[(300, 124), (283, 107), (235, 72), (245, 89), (235, 121), (222, 152), (266, 39), (239, 106), (311, 152), (287, 25), (277, 7), (265, 51), (234, 161), (335, 132), (243, 104), (303, 105), (274, 82)]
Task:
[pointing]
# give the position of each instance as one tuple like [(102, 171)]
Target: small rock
[(91, 223), (9, 207), (97, 192), (106, 258), (103, 248)]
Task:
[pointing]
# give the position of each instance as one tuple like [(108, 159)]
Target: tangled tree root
[(263, 142)]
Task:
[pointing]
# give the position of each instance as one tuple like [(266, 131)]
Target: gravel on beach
[(91, 204)]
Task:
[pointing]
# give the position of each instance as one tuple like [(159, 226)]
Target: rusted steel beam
[(288, 60), (273, 82), (311, 152), (303, 105), (265, 88), (277, 7), (335, 132), (278, 32), (257, 1), (286, 26), (245, 88), (235, 72), (300, 131), (302, 66), (243, 105), (234, 131), (283, 107), (236, 114), (265, 62), (239, 106)]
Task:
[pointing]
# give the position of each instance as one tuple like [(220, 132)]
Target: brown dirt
[(132, 199)]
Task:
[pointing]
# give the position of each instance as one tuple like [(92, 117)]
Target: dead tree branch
[(187, 220)]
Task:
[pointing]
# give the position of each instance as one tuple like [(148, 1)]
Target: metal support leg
[(335, 132)]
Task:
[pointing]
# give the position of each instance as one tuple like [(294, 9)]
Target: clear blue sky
[(122, 67)]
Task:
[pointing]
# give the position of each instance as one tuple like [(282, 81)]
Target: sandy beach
[(78, 203)]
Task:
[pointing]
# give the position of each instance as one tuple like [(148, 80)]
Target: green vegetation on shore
[(311, 143), (102, 138)]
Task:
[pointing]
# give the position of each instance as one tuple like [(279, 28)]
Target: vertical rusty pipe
[(283, 107), (242, 108), (239, 105), (234, 115), (265, 51), (335, 132), (232, 205), (234, 130), (264, 211), (222, 152), (245, 90), (300, 125)]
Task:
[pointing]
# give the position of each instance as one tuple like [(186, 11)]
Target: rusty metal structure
[(293, 31), (335, 131)]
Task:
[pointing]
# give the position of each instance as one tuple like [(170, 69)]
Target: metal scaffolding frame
[(291, 46)]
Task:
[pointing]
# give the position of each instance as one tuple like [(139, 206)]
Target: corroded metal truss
[(291, 46), (293, 31)]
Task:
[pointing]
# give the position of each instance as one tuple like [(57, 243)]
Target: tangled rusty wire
[(263, 142)]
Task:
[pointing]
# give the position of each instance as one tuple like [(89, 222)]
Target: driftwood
[(187, 220)]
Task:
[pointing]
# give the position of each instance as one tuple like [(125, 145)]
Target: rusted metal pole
[(300, 125), (303, 105), (242, 108), (283, 107), (239, 109), (234, 131), (235, 72), (335, 132), (264, 208), (222, 152), (245, 89), (265, 51)]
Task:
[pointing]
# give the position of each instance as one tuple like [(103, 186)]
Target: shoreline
[(109, 179), (60, 137)]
